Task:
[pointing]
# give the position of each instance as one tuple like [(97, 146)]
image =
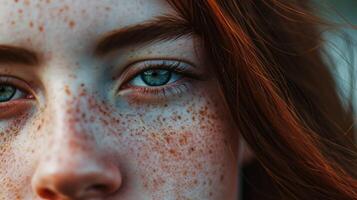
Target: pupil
[(157, 77), (6, 92)]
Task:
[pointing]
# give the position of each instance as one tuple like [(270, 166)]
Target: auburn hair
[(267, 55)]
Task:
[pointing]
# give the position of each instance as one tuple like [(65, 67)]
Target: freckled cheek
[(17, 138), (17, 168), (185, 154), (17, 157), (10, 129)]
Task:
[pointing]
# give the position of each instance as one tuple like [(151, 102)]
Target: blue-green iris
[(156, 77), (6, 92)]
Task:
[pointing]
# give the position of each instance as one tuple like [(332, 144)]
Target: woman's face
[(90, 110)]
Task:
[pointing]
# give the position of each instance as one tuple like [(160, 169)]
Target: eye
[(147, 80), (12, 89), (16, 97), (155, 78), (7, 92)]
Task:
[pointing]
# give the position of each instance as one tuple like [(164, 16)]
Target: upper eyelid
[(177, 66), (9, 80), (164, 64), (160, 59), (149, 63)]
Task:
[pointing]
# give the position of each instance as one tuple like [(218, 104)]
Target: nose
[(77, 177), (83, 178), (76, 164)]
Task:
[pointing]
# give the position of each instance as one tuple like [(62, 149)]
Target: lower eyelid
[(15, 108)]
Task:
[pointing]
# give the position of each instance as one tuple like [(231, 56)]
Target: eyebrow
[(159, 29), (17, 55)]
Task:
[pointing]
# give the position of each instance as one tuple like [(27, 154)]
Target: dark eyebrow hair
[(158, 29), (17, 55)]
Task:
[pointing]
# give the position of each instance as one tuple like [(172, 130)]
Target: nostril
[(98, 188), (47, 193)]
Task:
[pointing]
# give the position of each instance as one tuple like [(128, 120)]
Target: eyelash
[(177, 87)]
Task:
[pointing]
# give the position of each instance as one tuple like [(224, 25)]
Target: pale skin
[(81, 126)]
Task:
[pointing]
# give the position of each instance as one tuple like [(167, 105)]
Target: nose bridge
[(68, 110), (72, 137), (71, 88)]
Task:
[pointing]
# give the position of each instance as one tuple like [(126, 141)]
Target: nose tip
[(76, 183)]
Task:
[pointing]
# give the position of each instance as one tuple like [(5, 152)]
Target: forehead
[(54, 20)]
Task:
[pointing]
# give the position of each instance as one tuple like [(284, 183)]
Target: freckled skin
[(181, 146)]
